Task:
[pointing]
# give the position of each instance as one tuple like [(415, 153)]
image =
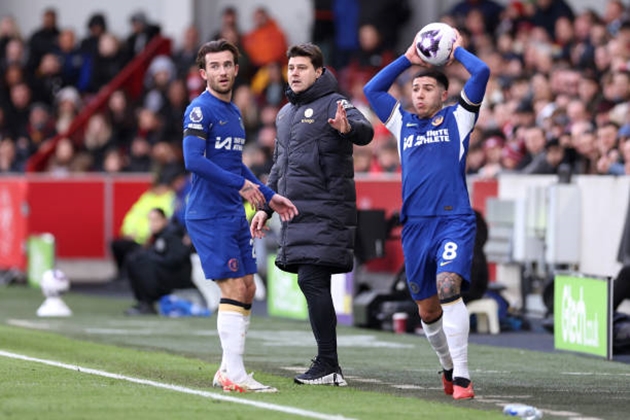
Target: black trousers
[(621, 287), (121, 248), (314, 281), (150, 281)]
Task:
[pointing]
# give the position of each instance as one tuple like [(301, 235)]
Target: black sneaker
[(320, 373), (141, 308)]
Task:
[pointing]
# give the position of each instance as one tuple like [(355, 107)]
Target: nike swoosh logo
[(222, 122), (412, 125), (443, 263)]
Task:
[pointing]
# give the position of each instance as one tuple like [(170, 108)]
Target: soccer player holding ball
[(438, 233)]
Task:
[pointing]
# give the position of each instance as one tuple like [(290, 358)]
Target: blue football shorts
[(432, 245), (224, 245)]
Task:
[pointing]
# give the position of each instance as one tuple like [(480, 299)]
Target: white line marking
[(177, 388)]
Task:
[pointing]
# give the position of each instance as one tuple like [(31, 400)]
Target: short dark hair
[(216, 46), (439, 77), (160, 211), (309, 50)]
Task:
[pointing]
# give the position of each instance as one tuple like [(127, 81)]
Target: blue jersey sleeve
[(475, 87), (265, 190), (196, 162), (376, 89)]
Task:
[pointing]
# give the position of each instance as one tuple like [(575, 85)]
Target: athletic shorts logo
[(443, 263), (233, 264), (414, 288)]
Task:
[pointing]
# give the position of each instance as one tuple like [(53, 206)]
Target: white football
[(434, 43), (54, 283)]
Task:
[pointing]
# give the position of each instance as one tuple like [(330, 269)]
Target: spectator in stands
[(583, 141), (387, 160), (607, 144), (75, 67), (47, 79), (346, 15), (266, 43), (230, 30), (148, 126), (172, 110), (614, 16), (108, 62), (269, 85), (388, 18), (96, 26), (475, 159), (511, 156), (98, 139), (8, 157), (67, 104), (159, 267), (43, 40), (547, 12), (229, 22), (139, 155), (142, 32), (40, 126), (121, 115), (625, 156), (13, 75), (9, 30), (113, 162), (18, 109), (184, 57), (371, 56), (159, 75), (245, 100), (493, 149), (135, 230), (362, 160), (535, 140), (60, 164), (490, 11), (14, 55)]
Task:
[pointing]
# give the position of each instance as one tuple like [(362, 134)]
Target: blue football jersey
[(433, 157), (214, 137), (432, 150)]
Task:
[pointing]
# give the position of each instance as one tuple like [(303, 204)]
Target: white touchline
[(177, 388)]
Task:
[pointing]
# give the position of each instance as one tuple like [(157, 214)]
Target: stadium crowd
[(558, 96)]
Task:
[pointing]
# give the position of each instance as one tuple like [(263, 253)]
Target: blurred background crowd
[(557, 99)]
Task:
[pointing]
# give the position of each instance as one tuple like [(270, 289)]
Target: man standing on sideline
[(215, 217), (313, 166), (438, 235)]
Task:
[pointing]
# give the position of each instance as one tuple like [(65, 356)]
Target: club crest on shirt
[(308, 113), (196, 115), (437, 120)]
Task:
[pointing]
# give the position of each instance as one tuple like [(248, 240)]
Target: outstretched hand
[(251, 193), (340, 122), (284, 207), (258, 227)]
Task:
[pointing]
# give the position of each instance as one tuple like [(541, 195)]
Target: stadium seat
[(487, 313)]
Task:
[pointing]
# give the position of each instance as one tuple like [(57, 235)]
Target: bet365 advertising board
[(583, 314)]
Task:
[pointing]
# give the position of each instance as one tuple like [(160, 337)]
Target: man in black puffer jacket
[(313, 167)]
